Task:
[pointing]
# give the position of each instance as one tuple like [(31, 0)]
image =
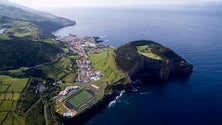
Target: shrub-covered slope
[(17, 52), (148, 60)]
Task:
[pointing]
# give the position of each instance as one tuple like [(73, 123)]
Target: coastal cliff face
[(147, 60)]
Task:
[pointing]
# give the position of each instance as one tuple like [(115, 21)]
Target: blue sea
[(193, 33)]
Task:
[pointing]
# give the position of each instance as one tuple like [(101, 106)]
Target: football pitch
[(80, 99)]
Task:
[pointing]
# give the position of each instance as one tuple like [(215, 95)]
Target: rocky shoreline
[(149, 61), (100, 105), (138, 68)]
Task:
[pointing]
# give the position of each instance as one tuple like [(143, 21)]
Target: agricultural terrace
[(60, 68), (10, 90), (9, 84), (146, 51), (104, 61), (24, 31), (21, 29), (79, 99), (70, 78)]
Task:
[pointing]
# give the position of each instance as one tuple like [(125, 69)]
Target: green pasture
[(10, 90), (9, 96), (10, 84), (146, 51), (69, 78), (59, 68), (105, 62)]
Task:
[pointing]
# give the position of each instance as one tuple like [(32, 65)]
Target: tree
[(12, 94)]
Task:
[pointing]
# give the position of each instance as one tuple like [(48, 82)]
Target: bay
[(195, 34)]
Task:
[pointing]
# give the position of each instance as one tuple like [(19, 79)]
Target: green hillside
[(45, 21), (24, 36), (17, 52), (38, 25), (105, 61), (29, 57), (131, 52)]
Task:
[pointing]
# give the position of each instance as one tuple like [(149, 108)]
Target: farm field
[(9, 84), (12, 118), (10, 90), (9, 96), (60, 68), (70, 78)]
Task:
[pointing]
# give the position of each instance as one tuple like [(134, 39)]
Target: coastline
[(85, 116), (167, 65), (194, 101), (111, 92)]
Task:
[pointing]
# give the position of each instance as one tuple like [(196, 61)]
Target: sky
[(38, 4)]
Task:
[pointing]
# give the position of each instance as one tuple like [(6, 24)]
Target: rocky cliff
[(147, 60)]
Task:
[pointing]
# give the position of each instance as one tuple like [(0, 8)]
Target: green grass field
[(105, 62), (15, 84), (9, 96), (80, 99), (8, 120), (8, 105), (35, 116), (70, 78), (10, 90), (12, 118), (59, 69), (2, 116), (146, 51), (18, 119), (4, 87), (22, 29)]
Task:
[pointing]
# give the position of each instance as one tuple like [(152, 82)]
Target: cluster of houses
[(40, 87), (69, 89), (86, 73), (58, 83), (84, 46), (79, 45)]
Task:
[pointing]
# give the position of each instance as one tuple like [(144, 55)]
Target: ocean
[(193, 33)]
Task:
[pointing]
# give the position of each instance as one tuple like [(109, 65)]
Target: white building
[(69, 114)]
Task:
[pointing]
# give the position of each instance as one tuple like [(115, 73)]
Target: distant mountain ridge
[(26, 35), (42, 20)]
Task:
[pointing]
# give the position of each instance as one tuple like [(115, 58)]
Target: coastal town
[(84, 47), (75, 98)]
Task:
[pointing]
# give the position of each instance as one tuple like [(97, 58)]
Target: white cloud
[(73, 3)]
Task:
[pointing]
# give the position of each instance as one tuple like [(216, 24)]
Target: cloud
[(74, 3)]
